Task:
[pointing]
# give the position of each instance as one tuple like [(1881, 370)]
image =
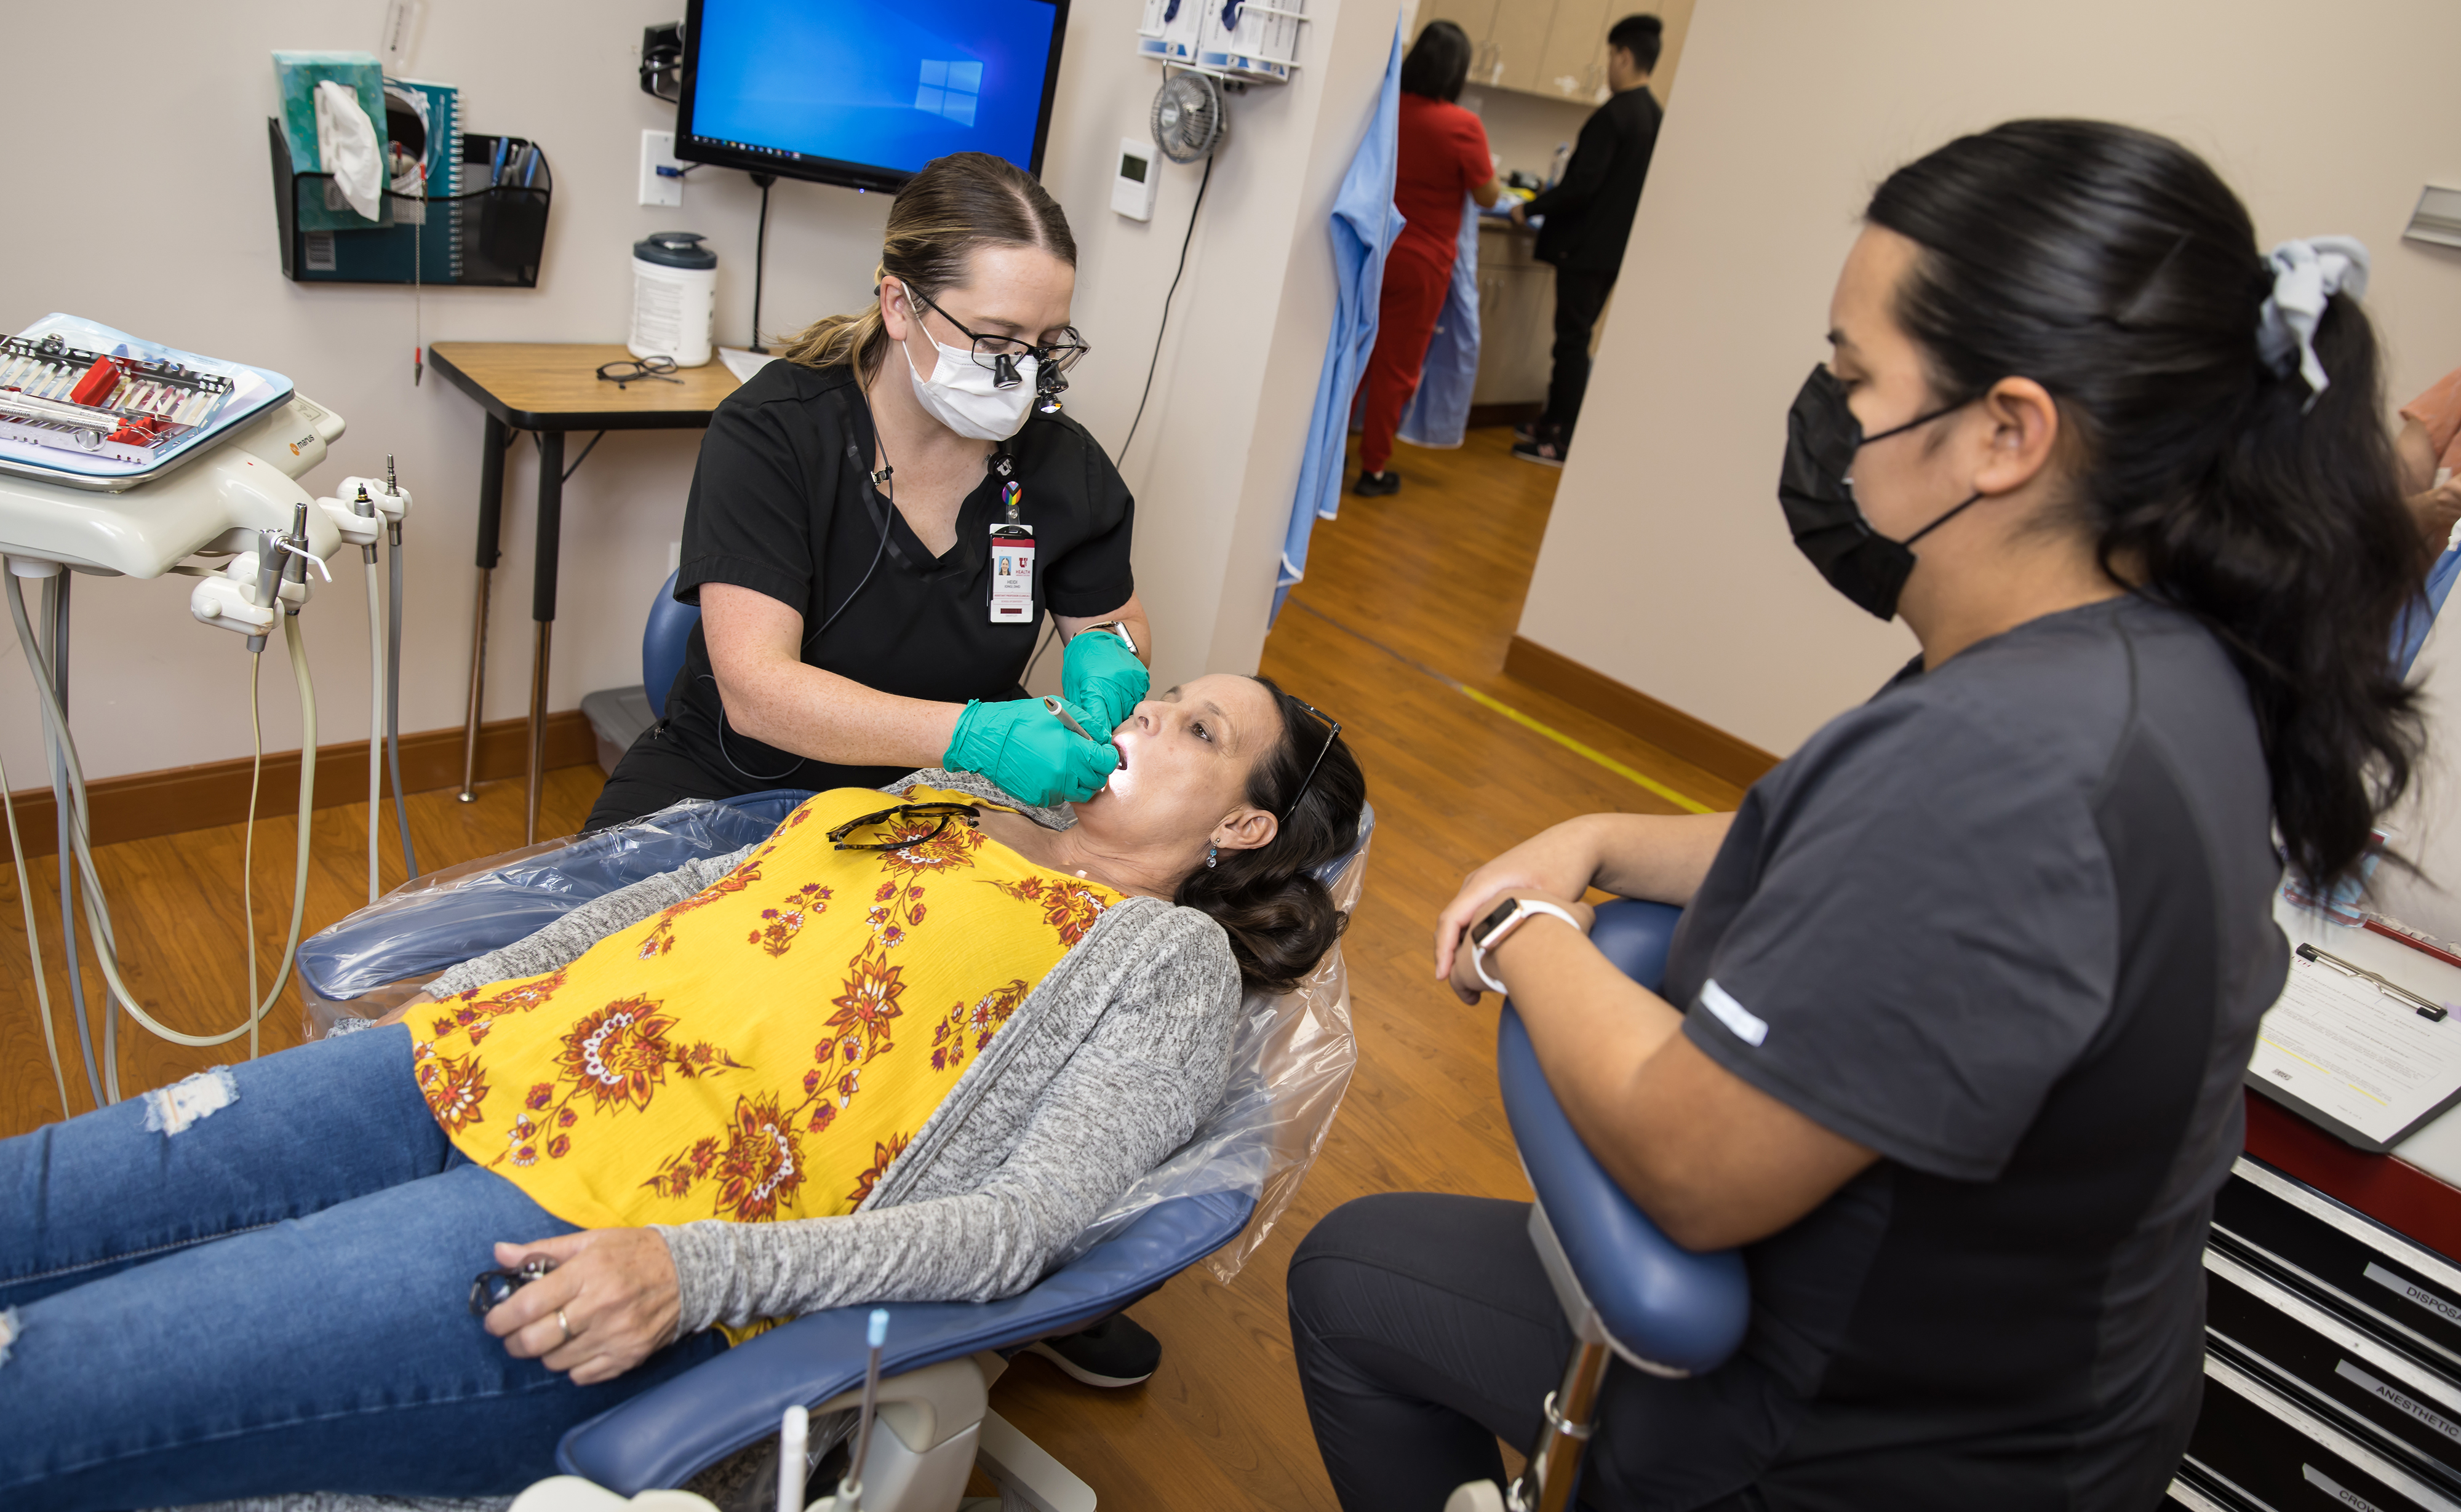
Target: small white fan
[(1189, 121)]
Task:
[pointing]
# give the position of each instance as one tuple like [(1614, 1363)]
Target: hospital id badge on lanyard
[(1012, 565)]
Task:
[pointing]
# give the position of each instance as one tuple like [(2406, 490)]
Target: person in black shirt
[(1952, 1029), (854, 506), (1587, 220)]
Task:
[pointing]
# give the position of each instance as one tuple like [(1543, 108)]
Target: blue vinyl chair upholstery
[(663, 640), (1664, 1308), (666, 1435)]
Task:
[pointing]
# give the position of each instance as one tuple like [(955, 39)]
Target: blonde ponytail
[(958, 203)]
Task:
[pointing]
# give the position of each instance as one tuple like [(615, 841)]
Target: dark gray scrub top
[(2009, 924)]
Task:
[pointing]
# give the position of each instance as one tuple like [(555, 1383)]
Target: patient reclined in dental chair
[(904, 1048)]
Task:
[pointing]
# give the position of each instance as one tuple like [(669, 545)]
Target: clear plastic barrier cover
[(1291, 1058), (80, 398)]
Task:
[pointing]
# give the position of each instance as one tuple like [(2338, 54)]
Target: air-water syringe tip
[(877, 1333)]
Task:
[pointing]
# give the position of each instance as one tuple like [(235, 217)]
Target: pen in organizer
[(2424, 1008)]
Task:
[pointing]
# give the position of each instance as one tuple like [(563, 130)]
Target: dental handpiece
[(268, 579)]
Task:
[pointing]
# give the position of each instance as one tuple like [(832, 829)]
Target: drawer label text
[(2349, 1498), (2399, 1399), (2413, 1291)]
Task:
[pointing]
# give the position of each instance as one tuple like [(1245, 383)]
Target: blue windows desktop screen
[(888, 86)]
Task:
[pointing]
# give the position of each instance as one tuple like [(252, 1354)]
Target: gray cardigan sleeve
[(563, 942), (1133, 1092)]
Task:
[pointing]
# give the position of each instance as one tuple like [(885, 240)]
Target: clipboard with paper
[(2366, 1063)]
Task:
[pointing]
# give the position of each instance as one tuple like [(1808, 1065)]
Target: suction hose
[(34, 943), (98, 913), (376, 724), (393, 689)]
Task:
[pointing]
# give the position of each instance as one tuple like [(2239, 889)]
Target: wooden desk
[(549, 388)]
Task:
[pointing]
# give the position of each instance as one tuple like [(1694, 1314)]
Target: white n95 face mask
[(964, 397)]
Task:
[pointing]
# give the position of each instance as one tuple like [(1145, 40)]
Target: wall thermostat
[(1132, 192)]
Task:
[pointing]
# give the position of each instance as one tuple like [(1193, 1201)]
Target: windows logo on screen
[(949, 89)]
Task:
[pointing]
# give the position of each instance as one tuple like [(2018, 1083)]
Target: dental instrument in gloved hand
[(1028, 751), (1100, 672)]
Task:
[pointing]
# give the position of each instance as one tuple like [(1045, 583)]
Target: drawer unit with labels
[(2333, 1359)]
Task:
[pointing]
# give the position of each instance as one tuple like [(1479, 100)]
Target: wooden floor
[(1402, 593)]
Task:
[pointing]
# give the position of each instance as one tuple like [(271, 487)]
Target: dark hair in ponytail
[(2115, 269), (1280, 919), (1438, 62)]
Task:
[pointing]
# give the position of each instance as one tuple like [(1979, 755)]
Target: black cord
[(882, 549), (760, 257), (877, 552), (1156, 361), (584, 457)]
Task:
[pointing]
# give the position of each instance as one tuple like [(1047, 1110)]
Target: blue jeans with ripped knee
[(259, 1284)]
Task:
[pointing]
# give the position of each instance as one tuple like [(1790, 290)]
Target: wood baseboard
[(1505, 413), (165, 802), (1662, 725)]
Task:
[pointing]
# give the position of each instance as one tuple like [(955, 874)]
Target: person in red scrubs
[(1443, 157)]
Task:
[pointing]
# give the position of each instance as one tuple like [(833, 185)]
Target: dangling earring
[(1210, 851)]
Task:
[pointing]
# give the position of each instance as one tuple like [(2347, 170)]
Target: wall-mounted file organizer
[(490, 234)]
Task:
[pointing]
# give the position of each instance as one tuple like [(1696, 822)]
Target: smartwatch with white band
[(1489, 932)]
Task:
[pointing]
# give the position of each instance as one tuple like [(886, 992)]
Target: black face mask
[(1816, 489)]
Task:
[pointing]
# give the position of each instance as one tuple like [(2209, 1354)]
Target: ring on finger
[(564, 1324)]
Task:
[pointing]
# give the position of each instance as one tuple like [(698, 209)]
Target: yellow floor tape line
[(1687, 804)]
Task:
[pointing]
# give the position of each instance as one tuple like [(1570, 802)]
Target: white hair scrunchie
[(2307, 272)]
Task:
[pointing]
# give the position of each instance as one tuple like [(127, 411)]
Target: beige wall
[(175, 241), (1666, 564)]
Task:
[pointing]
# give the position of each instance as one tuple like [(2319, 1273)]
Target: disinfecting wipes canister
[(674, 297)]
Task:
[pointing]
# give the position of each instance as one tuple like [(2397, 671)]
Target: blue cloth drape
[(1438, 414), (1364, 223), (2409, 631)]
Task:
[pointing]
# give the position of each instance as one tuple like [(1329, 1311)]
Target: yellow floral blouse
[(762, 1050)]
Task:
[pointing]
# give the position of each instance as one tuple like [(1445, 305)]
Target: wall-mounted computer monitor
[(866, 92)]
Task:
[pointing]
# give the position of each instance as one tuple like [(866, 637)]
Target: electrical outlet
[(658, 150), (675, 555)]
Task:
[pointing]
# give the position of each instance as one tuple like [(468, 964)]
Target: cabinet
[(1516, 319), (1572, 65), (2332, 1362), (1553, 48)]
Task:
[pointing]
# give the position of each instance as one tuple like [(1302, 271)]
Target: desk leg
[(491, 519), (551, 534)]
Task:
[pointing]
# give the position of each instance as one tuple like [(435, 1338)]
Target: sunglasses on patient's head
[(897, 828)]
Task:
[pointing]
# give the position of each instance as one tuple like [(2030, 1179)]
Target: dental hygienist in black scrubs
[(1951, 1033), (881, 520), (878, 524)]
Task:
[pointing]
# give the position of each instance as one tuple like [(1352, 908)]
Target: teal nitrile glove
[(1025, 749), (1101, 675)]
